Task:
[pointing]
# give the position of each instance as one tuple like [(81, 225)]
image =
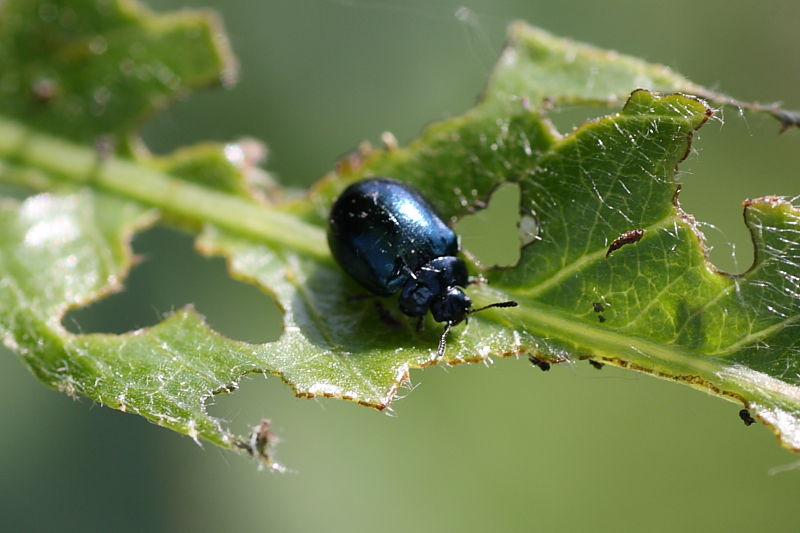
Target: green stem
[(62, 160)]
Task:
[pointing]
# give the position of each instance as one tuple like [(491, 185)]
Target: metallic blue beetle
[(388, 238)]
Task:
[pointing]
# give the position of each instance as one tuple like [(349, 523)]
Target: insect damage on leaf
[(611, 267)]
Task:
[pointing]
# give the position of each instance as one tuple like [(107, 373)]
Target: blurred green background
[(503, 448)]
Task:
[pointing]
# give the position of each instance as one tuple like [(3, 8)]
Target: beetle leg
[(443, 340)]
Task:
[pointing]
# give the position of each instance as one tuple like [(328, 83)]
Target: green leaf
[(89, 69), (537, 67), (615, 272), (539, 70)]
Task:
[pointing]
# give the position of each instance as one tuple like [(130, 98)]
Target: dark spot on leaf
[(746, 417), (598, 307), (601, 318), (544, 366), (629, 237), (596, 364)]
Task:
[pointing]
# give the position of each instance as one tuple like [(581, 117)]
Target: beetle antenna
[(510, 303), (443, 340)]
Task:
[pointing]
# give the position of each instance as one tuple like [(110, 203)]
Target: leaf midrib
[(81, 165), (78, 164), (199, 205), (638, 353)]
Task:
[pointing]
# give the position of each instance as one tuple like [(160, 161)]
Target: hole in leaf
[(317, 430), (567, 118), (256, 397), (172, 275), (492, 235), (732, 160)]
